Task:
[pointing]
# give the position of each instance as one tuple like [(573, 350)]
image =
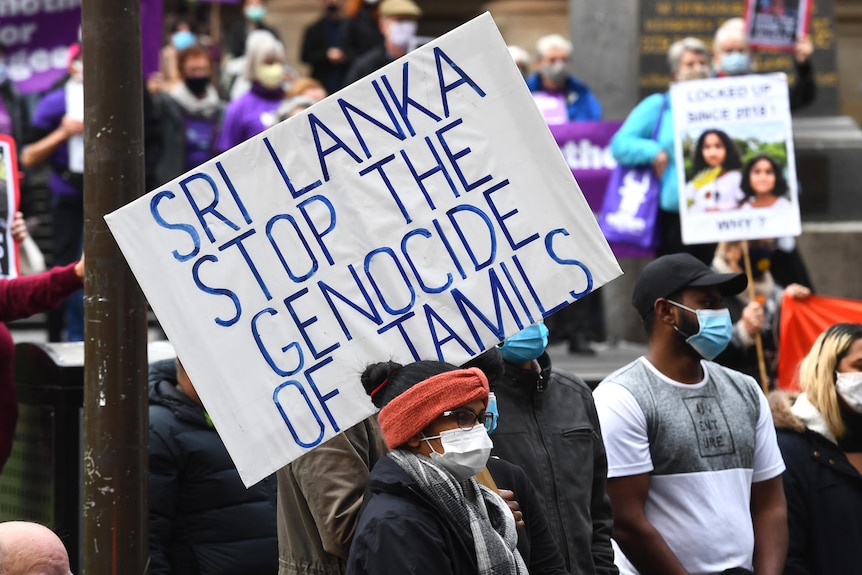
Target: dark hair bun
[(374, 376)]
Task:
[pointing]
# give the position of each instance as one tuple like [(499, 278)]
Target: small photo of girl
[(716, 183), (763, 184)]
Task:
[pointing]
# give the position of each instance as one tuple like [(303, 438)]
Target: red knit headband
[(413, 410)]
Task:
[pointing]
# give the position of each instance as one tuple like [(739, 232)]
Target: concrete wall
[(605, 39)]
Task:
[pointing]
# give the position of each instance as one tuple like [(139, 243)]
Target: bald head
[(31, 549)]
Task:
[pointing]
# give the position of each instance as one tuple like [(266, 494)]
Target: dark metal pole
[(115, 386)]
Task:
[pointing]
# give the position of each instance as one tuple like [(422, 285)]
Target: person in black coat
[(535, 541), (423, 512), (202, 519), (820, 436), (361, 33), (549, 427), (322, 47), (398, 23)]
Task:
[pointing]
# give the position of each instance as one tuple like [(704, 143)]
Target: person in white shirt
[(694, 470)]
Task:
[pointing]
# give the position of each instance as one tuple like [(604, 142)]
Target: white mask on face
[(849, 387), (465, 451), (401, 32)]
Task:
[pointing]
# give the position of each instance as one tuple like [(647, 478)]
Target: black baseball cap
[(669, 274)]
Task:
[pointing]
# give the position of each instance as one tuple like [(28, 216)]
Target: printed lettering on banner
[(735, 160), (424, 212)]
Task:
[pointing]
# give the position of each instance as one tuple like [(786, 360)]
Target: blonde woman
[(820, 435)]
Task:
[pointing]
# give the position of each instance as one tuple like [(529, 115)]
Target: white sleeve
[(624, 430), (768, 462)]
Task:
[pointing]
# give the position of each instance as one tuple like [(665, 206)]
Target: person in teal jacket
[(633, 143)]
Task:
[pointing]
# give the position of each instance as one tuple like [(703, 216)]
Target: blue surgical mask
[(492, 408), (183, 39), (714, 332), (255, 13), (735, 63), (526, 345)]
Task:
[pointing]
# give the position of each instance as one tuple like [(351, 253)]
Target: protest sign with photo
[(735, 159), (776, 24), (423, 212), (9, 197)]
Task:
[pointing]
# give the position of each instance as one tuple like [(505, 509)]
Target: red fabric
[(19, 298), (416, 408), (801, 322)]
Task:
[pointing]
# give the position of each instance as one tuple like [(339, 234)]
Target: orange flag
[(801, 322)]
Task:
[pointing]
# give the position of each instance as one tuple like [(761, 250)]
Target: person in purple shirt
[(50, 130), (254, 111)]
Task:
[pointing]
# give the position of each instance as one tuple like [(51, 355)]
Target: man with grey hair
[(732, 57), (561, 97), (31, 549)]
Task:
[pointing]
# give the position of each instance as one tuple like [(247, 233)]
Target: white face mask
[(849, 387), (400, 33), (465, 451)]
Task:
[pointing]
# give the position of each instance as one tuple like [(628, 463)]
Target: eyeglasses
[(466, 419)]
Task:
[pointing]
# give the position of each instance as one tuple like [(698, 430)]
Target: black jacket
[(400, 531), (548, 426), (538, 549), (202, 518), (315, 44), (824, 499), (361, 33), (367, 63)]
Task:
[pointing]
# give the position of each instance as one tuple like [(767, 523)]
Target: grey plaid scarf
[(481, 515)]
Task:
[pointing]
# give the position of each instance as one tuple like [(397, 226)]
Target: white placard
[(424, 212), (9, 197), (75, 110), (723, 128)]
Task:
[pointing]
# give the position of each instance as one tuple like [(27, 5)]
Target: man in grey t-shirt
[(694, 470)]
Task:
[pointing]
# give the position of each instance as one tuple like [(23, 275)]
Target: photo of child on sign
[(735, 159)]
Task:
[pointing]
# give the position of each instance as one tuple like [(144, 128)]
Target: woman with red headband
[(424, 512)]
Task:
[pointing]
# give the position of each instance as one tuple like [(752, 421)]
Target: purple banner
[(586, 146), (152, 18), (37, 34)]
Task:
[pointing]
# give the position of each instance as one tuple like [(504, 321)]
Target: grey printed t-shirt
[(703, 445)]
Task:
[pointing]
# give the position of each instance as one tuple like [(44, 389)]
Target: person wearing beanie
[(423, 510), (694, 469), (398, 23), (548, 426)]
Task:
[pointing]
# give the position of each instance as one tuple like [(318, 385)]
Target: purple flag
[(586, 148), (37, 36)]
